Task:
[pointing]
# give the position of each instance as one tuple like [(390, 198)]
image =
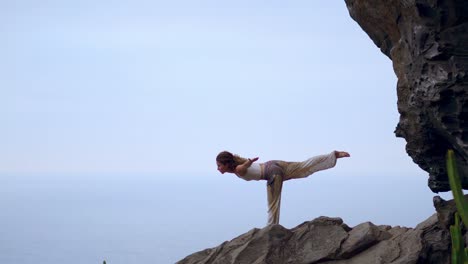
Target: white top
[(254, 172)]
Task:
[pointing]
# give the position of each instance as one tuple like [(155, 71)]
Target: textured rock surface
[(325, 240), (329, 240), (427, 41)]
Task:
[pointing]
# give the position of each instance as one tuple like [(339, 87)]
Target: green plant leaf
[(455, 185)]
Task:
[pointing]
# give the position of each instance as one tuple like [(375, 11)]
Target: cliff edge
[(329, 240)]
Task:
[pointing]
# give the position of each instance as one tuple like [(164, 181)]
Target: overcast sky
[(163, 86), (160, 87)]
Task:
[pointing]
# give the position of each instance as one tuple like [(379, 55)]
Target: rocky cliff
[(427, 41), (329, 241)]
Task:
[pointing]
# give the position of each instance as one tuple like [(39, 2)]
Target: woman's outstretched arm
[(241, 169)]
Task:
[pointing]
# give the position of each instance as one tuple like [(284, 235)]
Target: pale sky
[(95, 94), (160, 87)]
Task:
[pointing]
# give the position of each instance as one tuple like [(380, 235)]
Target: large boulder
[(427, 41), (328, 240)]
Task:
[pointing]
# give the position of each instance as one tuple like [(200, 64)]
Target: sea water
[(125, 219), (92, 218)]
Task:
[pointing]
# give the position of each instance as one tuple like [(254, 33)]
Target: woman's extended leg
[(274, 199), (295, 170)]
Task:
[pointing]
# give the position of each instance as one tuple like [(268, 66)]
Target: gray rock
[(325, 240), (362, 237), (445, 210), (427, 42), (315, 240)]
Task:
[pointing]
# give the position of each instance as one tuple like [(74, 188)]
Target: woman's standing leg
[(274, 199)]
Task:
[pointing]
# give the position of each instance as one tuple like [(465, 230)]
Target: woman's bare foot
[(341, 154)]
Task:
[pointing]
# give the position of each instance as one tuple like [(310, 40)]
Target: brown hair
[(229, 159)]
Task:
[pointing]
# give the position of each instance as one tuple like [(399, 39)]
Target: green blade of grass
[(455, 185)]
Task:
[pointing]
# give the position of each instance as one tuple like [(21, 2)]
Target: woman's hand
[(253, 160)]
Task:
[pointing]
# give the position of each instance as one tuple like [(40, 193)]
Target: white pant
[(293, 170)]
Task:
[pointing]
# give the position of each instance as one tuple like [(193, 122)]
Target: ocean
[(122, 219)]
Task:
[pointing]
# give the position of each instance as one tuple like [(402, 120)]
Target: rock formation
[(329, 241), (427, 41)]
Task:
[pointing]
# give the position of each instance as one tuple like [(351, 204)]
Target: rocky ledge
[(328, 240)]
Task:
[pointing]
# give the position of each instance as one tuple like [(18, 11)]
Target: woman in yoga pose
[(275, 172)]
